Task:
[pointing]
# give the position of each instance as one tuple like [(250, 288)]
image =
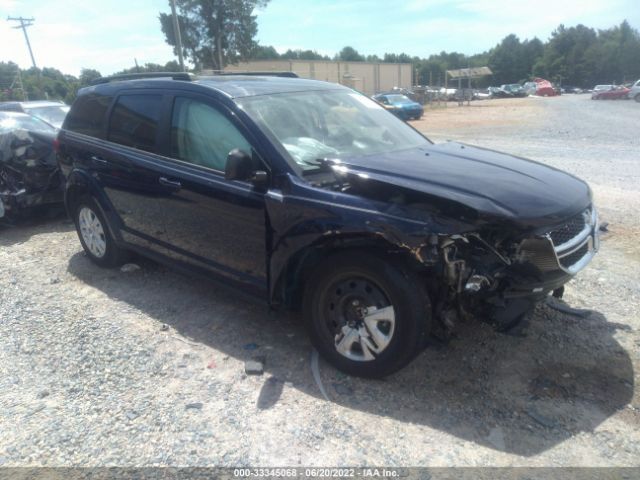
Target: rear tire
[(95, 235), (368, 317)]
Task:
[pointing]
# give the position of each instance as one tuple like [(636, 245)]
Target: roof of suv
[(233, 86)]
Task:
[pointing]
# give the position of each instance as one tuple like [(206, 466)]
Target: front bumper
[(542, 264)]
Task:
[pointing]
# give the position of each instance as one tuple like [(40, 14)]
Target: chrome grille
[(569, 247), (569, 230), (573, 258), (576, 241)]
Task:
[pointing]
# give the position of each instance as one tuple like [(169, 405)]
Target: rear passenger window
[(202, 135), (87, 115), (134, 121)]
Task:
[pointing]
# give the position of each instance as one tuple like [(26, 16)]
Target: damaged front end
[(29, 174), (498, 277), (489, 250)]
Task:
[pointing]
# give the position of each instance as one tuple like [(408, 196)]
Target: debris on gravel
[(253, 367)]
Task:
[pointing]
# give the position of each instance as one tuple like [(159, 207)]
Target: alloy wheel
[(92, 232)]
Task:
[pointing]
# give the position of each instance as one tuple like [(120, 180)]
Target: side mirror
[(240, 166)]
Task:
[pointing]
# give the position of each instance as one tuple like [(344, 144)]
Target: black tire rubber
[(114, 255), (403, 289), (637, 98)]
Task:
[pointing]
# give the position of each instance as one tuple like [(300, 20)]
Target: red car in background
[(609, 92), (544, 88)]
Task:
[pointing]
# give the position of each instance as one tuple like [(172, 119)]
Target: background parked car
[(481, 94), (634, 92), (448, 94), (497, 92), (544, 88), (29, 174), (609, 92), (570, 89), (400, 105), (51, 112), (515, 89)]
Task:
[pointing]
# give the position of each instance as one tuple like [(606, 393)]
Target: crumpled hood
[(492, 183)]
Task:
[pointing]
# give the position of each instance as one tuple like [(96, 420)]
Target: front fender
[(306, 217)]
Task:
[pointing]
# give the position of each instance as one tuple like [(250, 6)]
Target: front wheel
[(367, 316), (637, 98), (95, 236)]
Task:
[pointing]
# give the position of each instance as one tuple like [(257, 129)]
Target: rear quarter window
[(87, 115)]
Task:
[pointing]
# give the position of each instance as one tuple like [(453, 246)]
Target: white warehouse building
[(368, 78)]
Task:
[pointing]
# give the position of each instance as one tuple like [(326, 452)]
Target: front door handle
[(170, 183)]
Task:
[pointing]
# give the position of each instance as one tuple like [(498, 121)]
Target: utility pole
[(176, 31), (24, 23)]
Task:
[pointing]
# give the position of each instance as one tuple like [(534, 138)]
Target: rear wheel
[(366, 316), (95, 236)]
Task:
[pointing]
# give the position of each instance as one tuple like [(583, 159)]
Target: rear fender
[(80, 184)]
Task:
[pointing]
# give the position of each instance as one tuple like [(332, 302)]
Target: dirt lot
[(102, 367)]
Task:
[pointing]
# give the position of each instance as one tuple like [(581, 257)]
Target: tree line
[(578, 56), (51, 84)]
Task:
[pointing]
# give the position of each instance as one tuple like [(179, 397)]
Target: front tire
[(95, 236), (637, 98), (367, 316)]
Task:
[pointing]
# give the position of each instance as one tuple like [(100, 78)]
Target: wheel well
[(72, 194), (291, 282)]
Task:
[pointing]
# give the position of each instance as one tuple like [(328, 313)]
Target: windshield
[(332, 124), (398, 99), (54, 114), (25, 122)]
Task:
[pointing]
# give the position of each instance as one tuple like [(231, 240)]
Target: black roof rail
[(137, 76), (253, 73)]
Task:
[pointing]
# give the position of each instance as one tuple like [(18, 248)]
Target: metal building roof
[(475, 72)]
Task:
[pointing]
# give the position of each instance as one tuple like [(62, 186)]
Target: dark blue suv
[(315, 197)]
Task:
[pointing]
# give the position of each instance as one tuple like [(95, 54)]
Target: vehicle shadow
[(523, 393), (41, 220)]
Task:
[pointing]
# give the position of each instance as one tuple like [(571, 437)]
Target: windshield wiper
[(323, 164)]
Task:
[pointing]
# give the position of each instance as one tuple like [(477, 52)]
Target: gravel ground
[(146, 367)]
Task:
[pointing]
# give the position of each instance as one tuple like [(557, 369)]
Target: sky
[(107, 35)]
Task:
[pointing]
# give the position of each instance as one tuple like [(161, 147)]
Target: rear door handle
[(170, 183)]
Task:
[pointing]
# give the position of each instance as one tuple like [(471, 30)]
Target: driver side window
[(202, 135)]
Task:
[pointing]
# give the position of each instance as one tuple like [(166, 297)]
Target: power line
[(24, 23)]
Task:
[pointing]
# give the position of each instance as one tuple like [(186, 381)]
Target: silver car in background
[(51, 112)]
